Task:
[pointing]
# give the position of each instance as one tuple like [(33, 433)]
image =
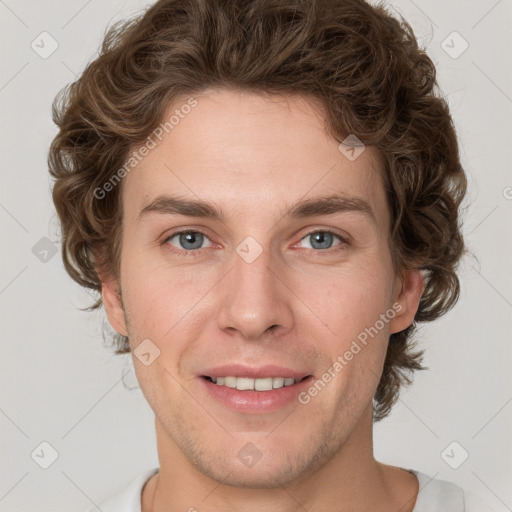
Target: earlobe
[(409, 290), (113, 304)]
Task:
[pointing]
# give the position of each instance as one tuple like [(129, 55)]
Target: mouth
[(251, 384), (254, 396)]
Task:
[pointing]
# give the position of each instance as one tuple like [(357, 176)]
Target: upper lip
[(269, 370)]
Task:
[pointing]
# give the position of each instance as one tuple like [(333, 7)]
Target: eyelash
[(182, 252)]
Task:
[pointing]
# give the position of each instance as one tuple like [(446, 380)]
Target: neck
[(350, 480)]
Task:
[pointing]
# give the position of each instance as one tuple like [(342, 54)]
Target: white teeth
[(263, 384), (230, 382), (243, 383), (246, 383), (278, 382)]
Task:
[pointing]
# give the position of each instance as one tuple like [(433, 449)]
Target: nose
[(254, 299)]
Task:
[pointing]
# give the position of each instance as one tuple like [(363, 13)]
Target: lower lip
[(256, 402)]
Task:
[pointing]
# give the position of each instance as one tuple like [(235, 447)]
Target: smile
[(247, 383), (254, 395)]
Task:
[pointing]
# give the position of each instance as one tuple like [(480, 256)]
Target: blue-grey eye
[(321, 239), (188, 240)]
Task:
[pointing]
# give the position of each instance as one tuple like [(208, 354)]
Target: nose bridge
[(253, 299)]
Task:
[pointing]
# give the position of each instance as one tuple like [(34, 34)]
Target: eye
[(188, 240), (323, 239)]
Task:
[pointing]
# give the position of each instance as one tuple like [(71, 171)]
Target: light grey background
[(60, 385)]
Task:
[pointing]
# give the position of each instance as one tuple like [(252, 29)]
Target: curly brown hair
[(362, 63)]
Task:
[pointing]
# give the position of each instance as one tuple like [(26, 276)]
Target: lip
[(255, 402), (239, 370)]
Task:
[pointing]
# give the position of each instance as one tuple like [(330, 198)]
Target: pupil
[(191, 238), (322, 238)]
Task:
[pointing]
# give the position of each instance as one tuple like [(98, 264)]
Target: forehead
[(252, 154)]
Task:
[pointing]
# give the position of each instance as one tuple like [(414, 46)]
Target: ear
[(408, 290), (113, 304)]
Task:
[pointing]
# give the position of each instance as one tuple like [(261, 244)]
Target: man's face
[(257, 287)]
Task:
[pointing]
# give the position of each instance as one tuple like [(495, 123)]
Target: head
[(243, 105)]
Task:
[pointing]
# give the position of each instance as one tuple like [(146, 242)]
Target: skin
[(253, 155)]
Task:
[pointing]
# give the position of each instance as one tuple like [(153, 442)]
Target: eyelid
[(345, 237)]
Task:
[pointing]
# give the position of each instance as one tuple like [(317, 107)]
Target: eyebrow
[(324, 205)]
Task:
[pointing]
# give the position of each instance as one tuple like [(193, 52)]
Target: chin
[(260, 476), (262, 463)]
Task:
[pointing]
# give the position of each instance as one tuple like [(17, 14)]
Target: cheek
[(357, 349), (161, 300), (351, 303), (349, 299)]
